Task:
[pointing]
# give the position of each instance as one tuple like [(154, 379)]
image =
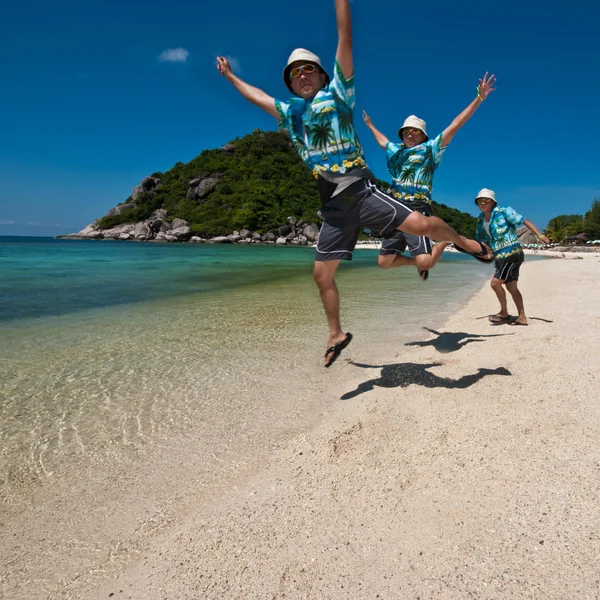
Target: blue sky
[(88, 106)]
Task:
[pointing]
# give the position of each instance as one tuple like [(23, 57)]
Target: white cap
[(485, 193), (413, 122), (303, 55)]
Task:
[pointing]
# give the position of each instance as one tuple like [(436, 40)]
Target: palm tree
[(428, 169), (409, 170), (557, 229), (321, 134)]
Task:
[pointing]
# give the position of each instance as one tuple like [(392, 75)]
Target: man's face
[(486, 205), (306, 79), (412, 137)]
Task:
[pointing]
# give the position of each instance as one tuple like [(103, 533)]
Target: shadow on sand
[(450, 341), (405, 374)]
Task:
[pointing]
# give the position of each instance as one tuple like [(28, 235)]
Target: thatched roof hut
[(526, 236), (577, 240)]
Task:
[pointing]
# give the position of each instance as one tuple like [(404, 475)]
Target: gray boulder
[(142, 231), (236, 238), (256, 236), (228, 148), (177, 223), (303, 240), (160, 236), (159, 213), (180, 233), (206, 186), (245, 233), (170, 238), (269, 237), (160, 225), (281, 241), (284, 230), (291, 220), (311, 232), (125, 236), (220, 239), (117, 210)]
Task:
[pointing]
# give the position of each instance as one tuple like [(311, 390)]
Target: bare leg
[(387, 261), (497, 286), (423, 262), (518, 299), (324, 275), (436, 229)]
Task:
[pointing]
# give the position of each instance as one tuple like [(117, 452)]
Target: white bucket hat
[(485, 193), (413, 122), (306, 56)]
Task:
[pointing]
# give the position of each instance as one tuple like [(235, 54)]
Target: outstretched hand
[(223, 66), (486, 86), (366, 118), (544, 239)]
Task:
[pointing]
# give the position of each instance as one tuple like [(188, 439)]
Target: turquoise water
[(129, 368)]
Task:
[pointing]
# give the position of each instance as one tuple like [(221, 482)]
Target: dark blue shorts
[(399, 241), (507, 269), (360, 206)]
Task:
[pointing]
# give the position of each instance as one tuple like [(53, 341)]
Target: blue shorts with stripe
[(507, 269), (399, 241), (360, 206)]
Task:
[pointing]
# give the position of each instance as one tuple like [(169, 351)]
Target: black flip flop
[(478, 255), (496, 320), (424, 274), (337, 349)]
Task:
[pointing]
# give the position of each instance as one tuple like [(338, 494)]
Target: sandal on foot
[(498, 320), (476, 255), (424, 274), (337, 349)]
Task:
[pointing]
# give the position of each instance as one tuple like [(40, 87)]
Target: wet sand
[(462, 465)]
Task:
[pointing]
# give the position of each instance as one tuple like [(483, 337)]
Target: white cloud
[(3, 222), (173, 55), (235, 64)]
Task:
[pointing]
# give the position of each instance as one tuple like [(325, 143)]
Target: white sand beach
[(470, 472), (463, 464)]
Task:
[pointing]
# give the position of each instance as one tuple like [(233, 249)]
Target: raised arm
[(483, 91), (344, 28), (251, 93), (379, 137), (536, 231)]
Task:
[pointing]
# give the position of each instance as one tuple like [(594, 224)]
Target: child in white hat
[(320, 121), (497, 227), (412, 165)]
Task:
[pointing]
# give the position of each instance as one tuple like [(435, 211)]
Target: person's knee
[(496, 284), (322, 275), (424, 262), (417, 224), (385, 261)]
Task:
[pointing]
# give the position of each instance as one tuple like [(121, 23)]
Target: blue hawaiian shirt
[(503, 225), (412, 169), (322, 129)]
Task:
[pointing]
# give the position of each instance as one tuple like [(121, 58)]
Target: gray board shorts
[(361, 205), (507, 269), (399, 241)]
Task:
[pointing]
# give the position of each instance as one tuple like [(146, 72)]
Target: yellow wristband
[(479, 95)]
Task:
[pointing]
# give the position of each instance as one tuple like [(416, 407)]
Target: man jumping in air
[(319, 119), (412, 165)]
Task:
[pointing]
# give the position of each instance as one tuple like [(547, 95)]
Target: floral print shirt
[(502, 239), (322, 129), (412, 169)]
